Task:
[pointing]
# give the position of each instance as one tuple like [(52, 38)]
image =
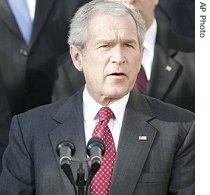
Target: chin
[(118, 93)]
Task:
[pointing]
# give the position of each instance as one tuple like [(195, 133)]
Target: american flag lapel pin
[(168, 68), (142, 138)]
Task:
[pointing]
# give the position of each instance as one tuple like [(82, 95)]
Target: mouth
[(117, 74)]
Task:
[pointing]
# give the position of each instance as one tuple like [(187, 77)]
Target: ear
[(76, 57)]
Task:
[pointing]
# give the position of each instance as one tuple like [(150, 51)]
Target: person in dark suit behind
[(5, 119), (168, 59), (152, 143), (177, 15), (68, 80), (28, 68)]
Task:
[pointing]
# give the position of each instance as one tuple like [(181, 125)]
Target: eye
[(103, 46), (129, 45)]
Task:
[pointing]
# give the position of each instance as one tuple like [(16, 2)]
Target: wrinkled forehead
[(112, 29)]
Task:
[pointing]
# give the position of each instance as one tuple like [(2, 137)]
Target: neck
[(149, 20)]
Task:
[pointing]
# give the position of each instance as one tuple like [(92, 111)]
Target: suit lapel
[(41, 14), (8, 18), (132, 150), (70, 127), (135, 143), (164, 70)]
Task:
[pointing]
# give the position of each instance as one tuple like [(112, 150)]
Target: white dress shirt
[(31, 6), (149, 46), (90, 110)]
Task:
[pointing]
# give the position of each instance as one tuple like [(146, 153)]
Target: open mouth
[(117, 74)]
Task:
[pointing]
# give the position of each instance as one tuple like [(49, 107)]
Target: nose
[(118, 56)]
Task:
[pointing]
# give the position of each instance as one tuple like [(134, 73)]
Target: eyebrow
[(129, 41), (113, 41)]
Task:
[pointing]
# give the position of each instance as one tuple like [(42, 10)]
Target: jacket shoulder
[(168, 39), (169, 112)]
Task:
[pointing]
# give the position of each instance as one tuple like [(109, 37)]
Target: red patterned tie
[(142, 81), (100, 184)]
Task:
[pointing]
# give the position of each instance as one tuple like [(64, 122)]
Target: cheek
[(134, 72), (93, 74), (136, 64)]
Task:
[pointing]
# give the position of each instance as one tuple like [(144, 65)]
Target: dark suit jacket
[(68, 79), (5, 118), (28, 71), (162, 164), (173, 70), (172, 77), (177, 15)]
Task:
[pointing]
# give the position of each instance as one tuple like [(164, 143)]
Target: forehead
[(109, 25)]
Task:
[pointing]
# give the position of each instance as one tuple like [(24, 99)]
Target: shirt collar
[(91, 107), (150, 37)]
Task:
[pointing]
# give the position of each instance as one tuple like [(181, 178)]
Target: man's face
[(111, 58)]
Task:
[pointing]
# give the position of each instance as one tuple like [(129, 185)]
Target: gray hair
[(78, 33)]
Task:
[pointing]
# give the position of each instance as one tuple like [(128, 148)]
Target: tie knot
[(105, 114)]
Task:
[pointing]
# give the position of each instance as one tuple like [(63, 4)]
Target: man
[(28, 66), (168, 60), (150, 143)]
